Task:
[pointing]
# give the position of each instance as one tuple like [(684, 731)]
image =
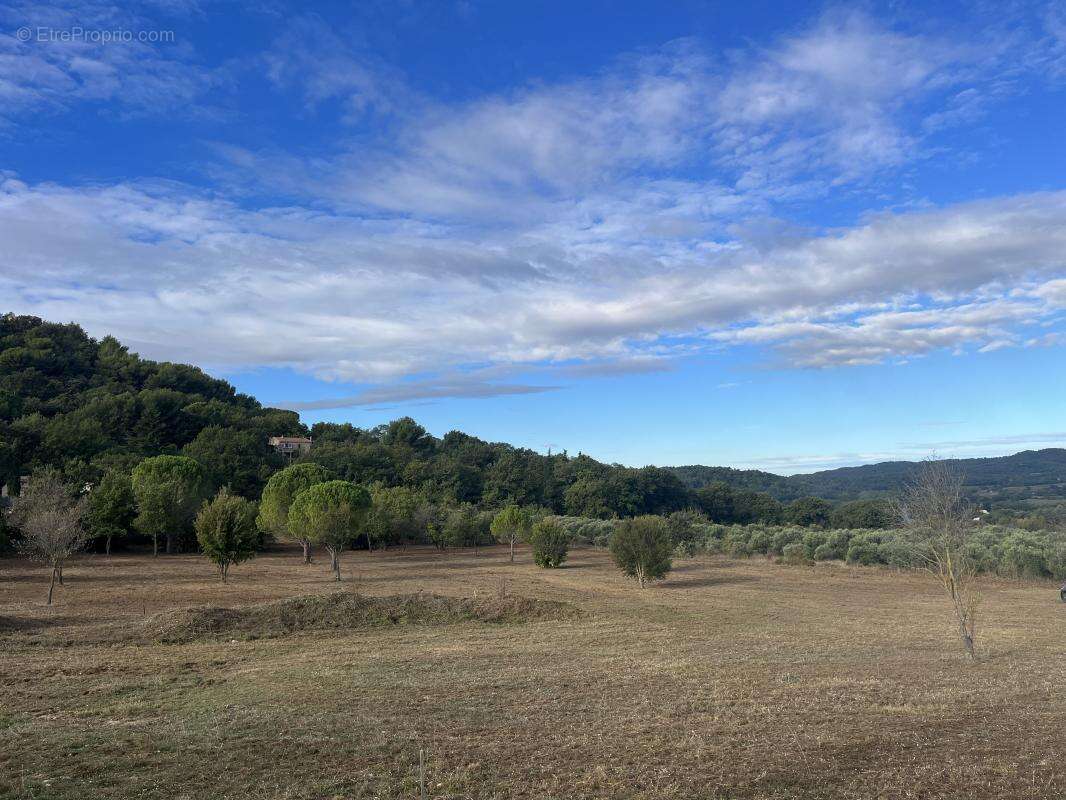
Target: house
[(290, 446)]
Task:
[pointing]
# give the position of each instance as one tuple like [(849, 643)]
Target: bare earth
[(731, 679)]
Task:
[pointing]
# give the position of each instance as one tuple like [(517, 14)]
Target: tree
[(464, 526), (938, 520), (875, 513), (239, 460), (277, 498), (168, 490), (641, 548), (809, 512), (225, 529), (50, 520), (330, 514), (112, 508), (397, 516), (512, 525), (550, 543)]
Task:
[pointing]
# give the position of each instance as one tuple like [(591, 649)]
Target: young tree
[(512, 525), (168, 490), (50, 520), (278, 495), (225, 529), (938, 519), (112, 508), (330, 514), (550, 542), (641, 548)]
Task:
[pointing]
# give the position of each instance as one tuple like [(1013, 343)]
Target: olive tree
[(550, 542), (112, 508), (277, 498), (641, 547), (168, 490), (226, 531), (938, 521), (330, 514), (512, 525), (50, 518)]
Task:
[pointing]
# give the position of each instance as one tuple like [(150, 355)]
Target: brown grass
[(731, 679)]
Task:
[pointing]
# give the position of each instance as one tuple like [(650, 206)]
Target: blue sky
[(775, 235)]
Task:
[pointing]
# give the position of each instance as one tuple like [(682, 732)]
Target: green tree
[(875, 513), (512, 525), (225, 529), (464, 526), (811, 512), (330, 514), (397, 516), (550, 542), (112, 508), (641, 548), (239, 460), (278, 495), (168, 490)]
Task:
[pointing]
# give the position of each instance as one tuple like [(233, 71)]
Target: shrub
[(1023, 556), (897, 553), (794, 553), (550, 543), (812, 540), (641, 547), (760, 542), (784, 537), (863, 551), (1056, 560), (226, 530)]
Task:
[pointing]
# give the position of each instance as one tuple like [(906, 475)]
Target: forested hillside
[(1029, 475), (91, 407), (87, 407)]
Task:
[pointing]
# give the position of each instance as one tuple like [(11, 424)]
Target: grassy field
[(731, 679)]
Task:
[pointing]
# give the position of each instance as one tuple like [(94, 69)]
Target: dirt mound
[(343, 610)]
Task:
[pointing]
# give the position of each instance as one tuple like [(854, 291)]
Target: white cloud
[(58, 68), (614, 221), (183, 276)]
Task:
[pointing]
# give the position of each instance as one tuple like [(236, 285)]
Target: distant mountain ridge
[(1025, 475)]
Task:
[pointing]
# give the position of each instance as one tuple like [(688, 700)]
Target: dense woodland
[(92, 408)]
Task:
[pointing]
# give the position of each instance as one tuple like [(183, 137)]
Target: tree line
[(95, 411)]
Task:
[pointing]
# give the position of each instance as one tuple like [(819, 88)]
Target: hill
[(1029, 475), (87, 407)]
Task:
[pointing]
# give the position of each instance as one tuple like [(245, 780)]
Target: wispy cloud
[(604, 224), (419, 390)]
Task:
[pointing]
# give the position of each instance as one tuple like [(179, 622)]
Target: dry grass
[(731, 679)]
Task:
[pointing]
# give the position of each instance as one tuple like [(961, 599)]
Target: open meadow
[(729, 679)]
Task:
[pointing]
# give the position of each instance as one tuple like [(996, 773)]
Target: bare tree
[(50, 519), (938, 518)]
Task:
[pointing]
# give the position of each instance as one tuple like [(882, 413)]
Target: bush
[(550, 543), (865, 552), (760, 542), (1023, 556), (641, 547), (897, 553), (784, 537), (1056, 561), (794, 553), (812, 540)]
